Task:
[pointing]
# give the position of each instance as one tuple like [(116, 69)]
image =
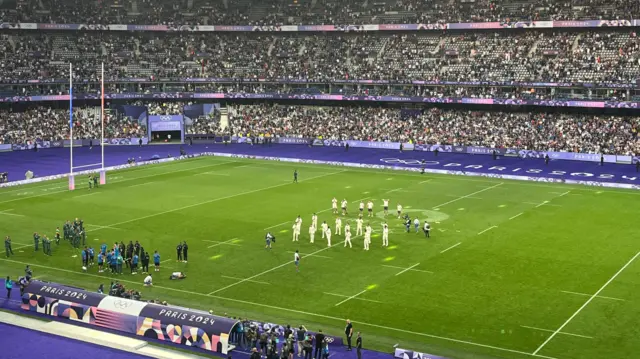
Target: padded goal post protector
[(103, 177), (72, 183)]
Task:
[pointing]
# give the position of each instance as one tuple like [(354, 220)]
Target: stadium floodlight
[(72, 141)]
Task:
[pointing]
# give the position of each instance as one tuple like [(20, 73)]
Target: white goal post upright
[(103, 176), (72, 184)]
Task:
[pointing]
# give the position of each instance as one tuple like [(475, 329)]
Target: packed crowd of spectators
[(610, 56), (533, 130), (536, 131), (283, 12), (49, 124)]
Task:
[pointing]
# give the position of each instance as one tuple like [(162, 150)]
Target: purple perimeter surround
[(56, 160)]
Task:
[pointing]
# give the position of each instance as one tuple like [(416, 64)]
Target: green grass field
[(512, 268)]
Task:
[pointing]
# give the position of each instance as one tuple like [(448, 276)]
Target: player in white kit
[(385, 205), (359, 226), (367, 237), (324, 228), (328, 234), (312, 232), (385, 235), (314, 221), (334, 205), (361, 207), (344, 207), (399, 208), (296, 229), (370, 209), (347, 236), (338, 226)]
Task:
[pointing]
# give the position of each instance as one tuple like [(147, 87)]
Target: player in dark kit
[(185, 250), (179, 251), (295, 176)]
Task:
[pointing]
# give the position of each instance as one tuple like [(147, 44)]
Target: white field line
[(314, 255), (517, 215), (18, 247), (469, 195), (120, 181), (346, 296), (166, 260), (453, 195), (300, 312), (564, 194), (408, 269), (270, 270), (565, 333), (217, 199), (228, 243), (588, 295), (452, 247), (252, 281), (140, 184), (541, 204), (425, 181), (585, 304), (5, 212), (349, 298), (488, 229), (85, 195), (393, 190), (278, 225), (415, 270)]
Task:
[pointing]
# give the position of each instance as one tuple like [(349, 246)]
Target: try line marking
[(585, 304), (282, 309)]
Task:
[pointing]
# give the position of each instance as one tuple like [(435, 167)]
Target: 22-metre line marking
[(585, 304)]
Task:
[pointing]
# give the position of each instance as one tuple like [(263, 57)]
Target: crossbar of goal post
[(71, 141)]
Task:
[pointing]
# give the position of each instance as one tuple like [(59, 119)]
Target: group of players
[(326, 232)]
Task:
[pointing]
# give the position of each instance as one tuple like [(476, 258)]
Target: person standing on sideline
[(348, 331), (319, 343), (359, 346), (185, 249), (179, 251), (427, 229), (7, 246), (295, 176), (8, 284)]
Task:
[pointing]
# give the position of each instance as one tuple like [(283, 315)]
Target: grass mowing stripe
[(216, 199), (585, 304), (298, 312)]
